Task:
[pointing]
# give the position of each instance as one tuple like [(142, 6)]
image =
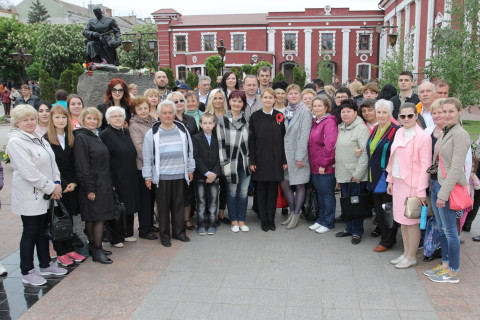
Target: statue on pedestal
[(101, 46)]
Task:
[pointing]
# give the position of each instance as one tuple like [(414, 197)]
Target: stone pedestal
[(92, 88)]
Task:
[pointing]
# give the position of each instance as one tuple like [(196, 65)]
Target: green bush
[(325, 71), (213, 74), (279, 77), (66, 80), (237, 72), (77, 72), (299, 76), (254, 70), (246, 68), (192, 80), (47, 87)]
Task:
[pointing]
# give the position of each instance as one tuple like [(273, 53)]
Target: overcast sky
[(143, 8)]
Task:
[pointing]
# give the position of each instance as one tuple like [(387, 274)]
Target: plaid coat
[(232, 137)]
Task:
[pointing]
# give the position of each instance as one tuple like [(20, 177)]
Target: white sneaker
[(315, 226), (244, 228), (397, 260), (118, 245), (235, 228), (130, 239), (3, 271), (323, 229)]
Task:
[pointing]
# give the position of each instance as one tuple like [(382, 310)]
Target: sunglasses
[(404, 116), (179, 101), (117, 90)]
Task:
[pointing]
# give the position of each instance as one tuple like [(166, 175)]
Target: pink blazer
[(421, 158)]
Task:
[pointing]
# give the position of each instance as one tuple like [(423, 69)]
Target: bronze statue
[(100, 44)]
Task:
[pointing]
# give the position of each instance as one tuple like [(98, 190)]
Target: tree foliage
[(192, 80), (246, 68), (6, 4), (325, 71), (130, 59), (33, 70), (77, 72), (66, 80), (238, 72), (214, 65), (255, 68), (47, 87), (299, 76), (38, 13), (279, 77), (457, 52)]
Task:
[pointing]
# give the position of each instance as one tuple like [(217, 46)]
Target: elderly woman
[(229, 83), (298, 124), (43, 107), (123, 163), (60, 137), (192, 107), (447, 171), (307, 97), (92, 169), (267, 157), (351, 165), (321, 152), (26, 96), (167, 163), (378, 152), (116, 95), (153, 99), (232, 133), (75, 107), (139, 125), (133, 90), (189, 122), (410, 158), (36, 180)]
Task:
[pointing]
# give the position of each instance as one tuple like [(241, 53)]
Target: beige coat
[(453, 150), (137, 129), (35, 172)]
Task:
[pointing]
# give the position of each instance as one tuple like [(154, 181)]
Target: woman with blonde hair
[(307, 96), (217, 103), (153, 97)]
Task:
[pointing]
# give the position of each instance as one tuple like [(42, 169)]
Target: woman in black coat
[(123, 169), (92, 168), (267, 157), (60, 136)]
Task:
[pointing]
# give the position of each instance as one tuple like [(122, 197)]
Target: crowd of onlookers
[(172, 154)]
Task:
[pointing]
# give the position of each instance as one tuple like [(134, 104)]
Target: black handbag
[(60, 226), (310, 206), (356, 207), (120, 212)]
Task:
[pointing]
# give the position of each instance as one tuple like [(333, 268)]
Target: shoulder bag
[(459, 197), (356, 207), (60, 226), (412, 205)]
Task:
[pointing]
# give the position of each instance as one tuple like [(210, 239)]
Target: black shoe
[(284, 211), (342, 234), (250, 193), (166, 243), (264, 227), (182, 238), (356, 239), (225, 220), (376, 232), (272, 227), (477, 238), (99, 256), (105, 252), (467, 227), (339, 219), (149, 236)]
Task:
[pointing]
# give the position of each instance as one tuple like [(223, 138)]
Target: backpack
[(310, 206), (431, 241)]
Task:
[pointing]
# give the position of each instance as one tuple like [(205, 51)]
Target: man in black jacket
[(405, 82)]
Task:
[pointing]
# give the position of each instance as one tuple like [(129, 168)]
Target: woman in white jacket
[(36, 180)]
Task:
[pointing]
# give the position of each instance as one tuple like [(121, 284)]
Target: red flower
[(139, 73), (279, 118)]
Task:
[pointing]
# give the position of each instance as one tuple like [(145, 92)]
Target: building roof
[(165, 11), (223, 19)]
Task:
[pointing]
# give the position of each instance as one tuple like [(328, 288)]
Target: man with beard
[(161, 81)]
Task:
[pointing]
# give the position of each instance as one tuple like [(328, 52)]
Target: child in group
[(206, 175)]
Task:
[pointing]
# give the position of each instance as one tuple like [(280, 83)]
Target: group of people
[(199, 151)]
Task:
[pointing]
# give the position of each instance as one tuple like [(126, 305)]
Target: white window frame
[(214, 40), (244, 40), (358, 51), (175, 52), (320, 49), (285, 52), (369, 69), (177, 67)]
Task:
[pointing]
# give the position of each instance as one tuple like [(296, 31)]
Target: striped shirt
[(170, 146)]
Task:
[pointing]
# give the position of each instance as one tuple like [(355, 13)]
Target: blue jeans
[(446, 220), (207, 202), (325, 186), (237, 196), (354, 227)]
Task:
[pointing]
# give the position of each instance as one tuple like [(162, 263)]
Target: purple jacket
[(321, 146)]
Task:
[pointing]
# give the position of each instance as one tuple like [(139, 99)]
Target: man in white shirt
[(426, 93)]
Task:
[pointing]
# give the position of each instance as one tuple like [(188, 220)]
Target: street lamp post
[(21, 56), (127, 44), (221, 51)]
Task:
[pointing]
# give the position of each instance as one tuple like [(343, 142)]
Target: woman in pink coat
[(410, 158)]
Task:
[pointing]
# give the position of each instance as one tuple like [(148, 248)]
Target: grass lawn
[(473, 128)]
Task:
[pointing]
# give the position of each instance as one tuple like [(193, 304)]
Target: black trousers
[(266, 192), (472, 214), (33, 236), (207, 202), (389, 235), (147, 202), (169, 197)]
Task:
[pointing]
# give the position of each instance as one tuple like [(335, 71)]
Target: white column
[(430, 18), (416, 42), (345, 54), (382, 51), (446, 13), (271, 41), (308, 53), (398, 24), (407, 21)]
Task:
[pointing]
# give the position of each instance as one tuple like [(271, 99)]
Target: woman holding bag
[(407, 177), (446, 172)]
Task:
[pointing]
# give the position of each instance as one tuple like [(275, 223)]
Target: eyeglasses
[(404, 116), (179, 101), (117, 90)]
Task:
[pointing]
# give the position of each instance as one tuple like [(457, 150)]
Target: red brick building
[(286, 39)]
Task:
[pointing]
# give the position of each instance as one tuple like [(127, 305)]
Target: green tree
[(59, 46), (457, 49), (325, 71), (38, 13), (47, 87), (238, 72), (33, 70), (130, 59), (77, 72), (255, 68), (299, 76), (66, 80), (192, 80), (246, 68), (170, 76), (279, 77), (214, 65)]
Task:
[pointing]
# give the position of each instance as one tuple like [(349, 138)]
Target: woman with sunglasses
[(410, 158), (116, 95)]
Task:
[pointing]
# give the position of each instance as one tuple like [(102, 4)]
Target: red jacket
[(321, 145), (6, 97)]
